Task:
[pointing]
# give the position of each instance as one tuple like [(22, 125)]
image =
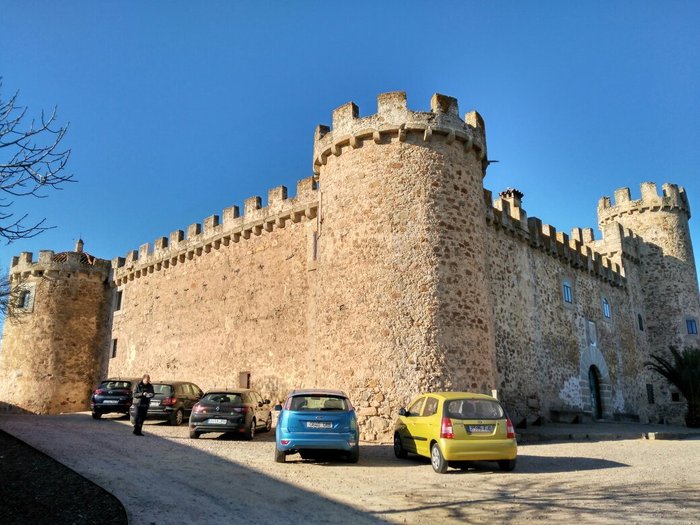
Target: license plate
[(479, 429), (319, 424), (111, 401), (216, 421), (154, 403)]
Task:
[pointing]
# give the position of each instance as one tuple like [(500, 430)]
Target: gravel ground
[(165, 477)]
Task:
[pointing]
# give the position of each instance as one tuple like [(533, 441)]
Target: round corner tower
[(56, 331), (401, 288), (667, 264), (667, 273)]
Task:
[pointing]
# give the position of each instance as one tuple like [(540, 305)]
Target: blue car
[(313, 422)]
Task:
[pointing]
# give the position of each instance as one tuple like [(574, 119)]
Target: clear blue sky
[(180, 109)]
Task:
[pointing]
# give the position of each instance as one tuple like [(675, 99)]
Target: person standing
[(143, 393)]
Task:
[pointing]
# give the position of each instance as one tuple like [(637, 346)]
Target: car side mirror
[(402, 412), (277, 408)]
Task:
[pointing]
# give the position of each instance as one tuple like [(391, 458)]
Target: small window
[(23, 299), (114, 348), (650, 393), (692, 326), (606, 308), (118, 300), (567, 293), (431, 405), (675, 397), (592, 334), (414, 409), (640, 323)]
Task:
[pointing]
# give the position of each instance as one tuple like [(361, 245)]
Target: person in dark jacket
[(143, 394)]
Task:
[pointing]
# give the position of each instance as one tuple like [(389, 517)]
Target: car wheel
[(177, 418), (268, 424), (354, 455), (96, 415), (399, 451), (507, 465), (280, 455), (250, 434), (194, 434), (437, 460)]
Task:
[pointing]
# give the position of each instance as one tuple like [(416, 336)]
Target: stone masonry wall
[(401, 225), (543, 346), (229, 300), (51, 356)]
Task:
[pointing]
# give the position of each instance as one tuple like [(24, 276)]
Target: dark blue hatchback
[(313, 422)]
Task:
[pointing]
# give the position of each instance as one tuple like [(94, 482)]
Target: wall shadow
[(9, 408)]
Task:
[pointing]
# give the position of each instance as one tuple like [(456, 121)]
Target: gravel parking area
[(165, 477)]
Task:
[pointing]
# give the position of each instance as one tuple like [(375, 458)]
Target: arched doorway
[(594, 388)]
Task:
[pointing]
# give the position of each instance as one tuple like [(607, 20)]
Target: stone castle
[(392, 271)]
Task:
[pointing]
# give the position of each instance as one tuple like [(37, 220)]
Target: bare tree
[(31, 161)]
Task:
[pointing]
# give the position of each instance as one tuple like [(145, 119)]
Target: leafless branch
[(31, 161)]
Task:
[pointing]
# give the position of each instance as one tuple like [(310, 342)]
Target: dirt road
[(166, 478)]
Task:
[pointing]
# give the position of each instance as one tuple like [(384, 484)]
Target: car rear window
[(473, 409), (222, 397), (163, 389), (115, 384), (317, 402)]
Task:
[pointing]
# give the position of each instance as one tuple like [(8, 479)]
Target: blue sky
[(178, 110)]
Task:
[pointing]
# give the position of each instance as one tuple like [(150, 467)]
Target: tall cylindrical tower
[(56, 332), (401, 292), (667, 273)]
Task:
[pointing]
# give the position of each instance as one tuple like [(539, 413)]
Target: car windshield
[(222, 397), (115, 384), (473, 409), (162, 389), (317, 402)]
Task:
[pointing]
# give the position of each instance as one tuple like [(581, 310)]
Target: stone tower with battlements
[(55, 338), (400, 264), (666, 270)]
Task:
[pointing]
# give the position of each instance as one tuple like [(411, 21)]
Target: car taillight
[(446, 428), (241, 410), (284, 442), (169, 401), (510, 431), (99, 392), (199, 409)]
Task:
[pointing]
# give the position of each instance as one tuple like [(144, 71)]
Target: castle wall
[(230, 299), (543, 346)]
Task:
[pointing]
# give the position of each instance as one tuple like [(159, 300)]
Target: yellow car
[(451, 428)]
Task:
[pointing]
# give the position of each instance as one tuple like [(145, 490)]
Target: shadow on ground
[(35, 488)]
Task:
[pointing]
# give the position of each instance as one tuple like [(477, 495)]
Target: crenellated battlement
[(673, 198), (53, 264), (231, 226), (576, 250), (394, 121)]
